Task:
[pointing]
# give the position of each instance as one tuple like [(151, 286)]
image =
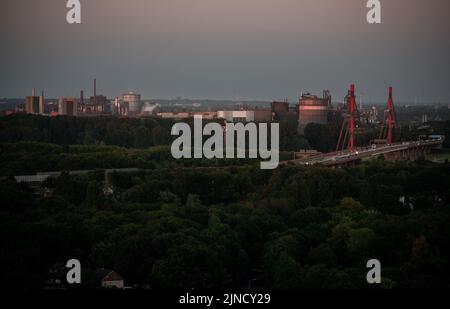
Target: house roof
[(109, 275)]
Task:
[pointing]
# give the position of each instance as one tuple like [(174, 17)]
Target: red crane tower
[(389, 120)]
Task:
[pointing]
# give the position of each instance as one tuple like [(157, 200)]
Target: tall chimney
[(41, 103), (95, 94), (33, 92)]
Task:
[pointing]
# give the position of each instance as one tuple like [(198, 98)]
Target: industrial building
[(237, 116), (175, 116), (34, 104), (120, 107), (254, 115), (134, 102), (280, 110), (68, 106), (99, 103), (149, 109), (206, 115), (312, 109), (263, 115)]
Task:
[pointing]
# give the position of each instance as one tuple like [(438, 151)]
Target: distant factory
[(68, 106), (129, 104), (133, 100), (312, 109), (34, 104), (281, 111), (256, 115), (309, 109)]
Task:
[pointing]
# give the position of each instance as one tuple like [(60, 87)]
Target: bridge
[(347, 151), (394, 152)]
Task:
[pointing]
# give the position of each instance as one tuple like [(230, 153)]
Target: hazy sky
[(233, 49)]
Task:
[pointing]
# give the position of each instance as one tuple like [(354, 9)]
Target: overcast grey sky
[(232, 49)]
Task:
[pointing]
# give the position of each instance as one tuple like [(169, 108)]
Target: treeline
[(222, 227), (114, 131), (65, 130), (148, 132), (27, 158)]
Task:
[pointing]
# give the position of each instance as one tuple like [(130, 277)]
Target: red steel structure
[(350, 123), (351, 143), (391, 122)]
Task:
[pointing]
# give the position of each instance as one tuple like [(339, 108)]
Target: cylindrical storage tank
[(313, 110), (133, 100)]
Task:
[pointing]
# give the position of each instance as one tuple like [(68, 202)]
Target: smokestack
[(82, 97), (95, 94), (33, 92)]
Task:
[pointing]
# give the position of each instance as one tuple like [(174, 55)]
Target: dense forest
[(221, 227), (147, 132), (139, 133), (213, 224), (28, 158), (66, 130)]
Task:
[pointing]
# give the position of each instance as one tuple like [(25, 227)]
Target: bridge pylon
[(389, 120), (351, 124)]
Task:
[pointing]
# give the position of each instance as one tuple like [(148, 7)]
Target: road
[(343, 157)]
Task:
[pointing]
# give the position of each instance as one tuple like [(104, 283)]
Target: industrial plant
[(312, 109), (351, 117), (309, 109)]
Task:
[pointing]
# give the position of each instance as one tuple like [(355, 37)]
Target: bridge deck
[(344, 157)]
